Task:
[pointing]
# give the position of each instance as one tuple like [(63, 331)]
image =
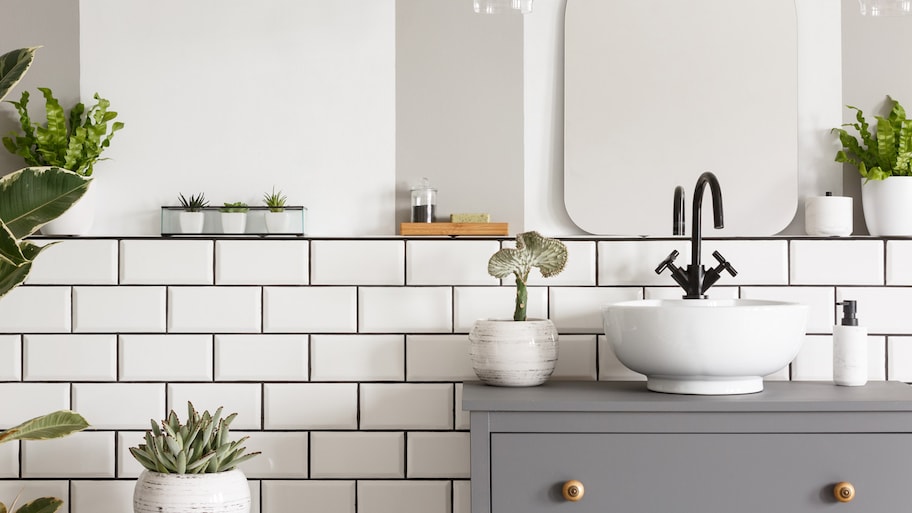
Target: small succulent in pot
[(194, 203), (275, 201), (532, 250), (201, 445), (238, 207)]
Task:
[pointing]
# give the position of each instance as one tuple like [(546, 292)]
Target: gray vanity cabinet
[(786, 449)]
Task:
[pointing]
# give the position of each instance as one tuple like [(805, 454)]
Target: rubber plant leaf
[(42, 505), (11, 276), (52, 425), (10, 252), (13, 66), (31, 197)]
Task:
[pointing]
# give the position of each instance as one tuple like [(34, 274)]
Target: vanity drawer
[(699, 472)]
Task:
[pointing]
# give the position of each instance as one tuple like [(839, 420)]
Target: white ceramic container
[(277, 222), (77, 220), (887, 206), (234, 222), (705, 346), (191, 222), (513, 353), (222, 492)]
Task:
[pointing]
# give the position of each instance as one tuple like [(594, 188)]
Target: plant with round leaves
[(532, 250)]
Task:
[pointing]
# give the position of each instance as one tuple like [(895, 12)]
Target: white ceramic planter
[(191, 222), (77, 220), (222, 492), (277, 222), (513, 354), (887, 206), (234, 222)]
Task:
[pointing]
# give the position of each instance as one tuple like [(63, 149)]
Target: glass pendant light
[(501, 6), (886, 7)]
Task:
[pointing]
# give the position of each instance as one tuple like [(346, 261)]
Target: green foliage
[(275, 201), (199, 446), (73, 142), (40, 505), (532, 250), (13, 66), (236, 207), (885, 152), (195, 203)]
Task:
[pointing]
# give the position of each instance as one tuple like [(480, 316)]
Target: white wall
[(231, 98)]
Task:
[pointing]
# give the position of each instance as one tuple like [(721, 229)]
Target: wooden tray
[(453, 228)]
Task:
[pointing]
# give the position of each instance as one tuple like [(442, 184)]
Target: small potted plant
[(192, 218), (518, 352), (234, 217), (883, 158), (276, 217), (191, 466)]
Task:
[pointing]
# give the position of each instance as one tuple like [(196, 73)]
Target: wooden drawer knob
[(573, 490), (844, 492)]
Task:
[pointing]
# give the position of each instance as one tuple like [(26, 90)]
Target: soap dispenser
[(850, 348)]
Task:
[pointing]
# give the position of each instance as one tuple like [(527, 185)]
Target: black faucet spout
[(696, 235), (678, 214)]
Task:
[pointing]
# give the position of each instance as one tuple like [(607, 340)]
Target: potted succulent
[(191, 466), (52, 425), (883, 158), (518, 352), (30, 197), (73, 141), (192, 218), (276, 217), (234, 217)]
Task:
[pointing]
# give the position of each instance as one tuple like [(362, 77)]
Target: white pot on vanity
[(220, 492), (513, 353), (887, 206)]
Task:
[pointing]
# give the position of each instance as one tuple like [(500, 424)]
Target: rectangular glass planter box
[(259, 222)]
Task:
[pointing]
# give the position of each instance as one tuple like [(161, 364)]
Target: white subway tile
[(311, 405), (283, 455), (102, 496), (579, 309), (310, 309), (357, 455), (815, 360), (125, 309), (36, 310), (10, 357), (462, 497), (899, 359), (877, 358), (883, 310), (70, 357), (634, 262), (9, 460), (85, 454), (317, 496), (677, 292), (127, 466), (214, 309), (166, 262), (462, 416), (758, 262), (29, 490), (610, 368), (166, 357), (820, 301), (255, 495), (438, 455), (241, 398), (22, 401), (137, 404), (438, 358), (406, 406), (579, 271), (842, 262), (261, 357), (899, 254), (449, 262), (474, 303), (405, 309), (357, 358), (76, 262), (358, 262), (404, 497), (576, 358), (261, 262)]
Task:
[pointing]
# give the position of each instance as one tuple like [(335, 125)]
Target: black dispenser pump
[(848, 313)]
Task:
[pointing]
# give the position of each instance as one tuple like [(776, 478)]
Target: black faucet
[(696, 280)]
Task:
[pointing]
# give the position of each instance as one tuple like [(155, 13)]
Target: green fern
[(885, 152)]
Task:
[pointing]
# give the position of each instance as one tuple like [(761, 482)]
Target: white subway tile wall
[(344, 358)]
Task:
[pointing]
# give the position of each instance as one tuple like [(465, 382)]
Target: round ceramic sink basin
[(705, 346)]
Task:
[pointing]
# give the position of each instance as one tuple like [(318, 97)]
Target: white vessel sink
[(705, 346)]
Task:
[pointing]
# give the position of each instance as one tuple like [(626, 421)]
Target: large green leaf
[(31, 197), (41, 505), (52, 425), (13, 66)]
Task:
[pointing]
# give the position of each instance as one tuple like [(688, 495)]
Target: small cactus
[(532, 250)]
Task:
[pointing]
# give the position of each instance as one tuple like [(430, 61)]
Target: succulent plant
[(236, 207), (275, 201), (195, 203), (532, 250), (199, 446)]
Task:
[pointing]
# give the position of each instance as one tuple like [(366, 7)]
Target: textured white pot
[(277, 222), (513, 354), (77, 220), (887, 206), (191, 222), (234, 222), (222, 492)]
